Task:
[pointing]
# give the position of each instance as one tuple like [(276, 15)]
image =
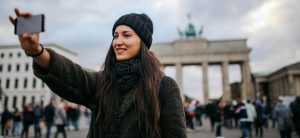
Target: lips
[(120, 50)]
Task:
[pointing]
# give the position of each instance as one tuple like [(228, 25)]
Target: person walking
[(295, 108), (283, 117), (60, 120), (38, 115), (241, 112), (17, 122), (228, 114), (27, 118), (251, 114), (129, 97), (190, 114), (6, 121), (49, 113), (211, 110), (199, 112), (259, 121)]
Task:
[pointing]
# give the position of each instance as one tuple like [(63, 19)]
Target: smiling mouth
[(120, 50)]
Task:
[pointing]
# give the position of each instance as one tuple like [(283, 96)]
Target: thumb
[(12, 20)]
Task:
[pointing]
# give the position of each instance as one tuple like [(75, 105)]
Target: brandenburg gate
[(200, 51)]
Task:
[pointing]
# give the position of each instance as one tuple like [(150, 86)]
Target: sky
[(271, 28)]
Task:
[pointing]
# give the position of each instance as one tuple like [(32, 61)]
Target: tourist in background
[(241, 112), (60, 120), (6, 121), (49, 113), (17, 122), (251, 114), (27, 118), (38, 115), (295, 108), (259, 119), (199, 112), (211, 110), (228, 114), (283, 117), (190, 114)]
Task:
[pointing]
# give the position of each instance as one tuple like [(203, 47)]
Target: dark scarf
[(127, 74)]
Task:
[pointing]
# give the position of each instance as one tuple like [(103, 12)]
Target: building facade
[(17, 81), (203, 52), (282, 82)]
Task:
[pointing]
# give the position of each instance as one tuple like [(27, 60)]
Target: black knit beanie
[(140, 23)]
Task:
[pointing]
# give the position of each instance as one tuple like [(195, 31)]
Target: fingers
[(18, 13), (12, 20), (26, 14)]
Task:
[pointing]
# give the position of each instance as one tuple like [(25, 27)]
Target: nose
[(118, 41)]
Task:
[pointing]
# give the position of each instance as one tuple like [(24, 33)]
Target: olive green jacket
[(77, 85)]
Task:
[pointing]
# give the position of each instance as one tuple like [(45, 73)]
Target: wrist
[(36, 51)]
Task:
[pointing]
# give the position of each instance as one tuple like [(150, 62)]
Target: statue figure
[(190, 31)]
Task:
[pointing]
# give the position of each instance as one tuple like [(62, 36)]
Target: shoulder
[(169, 89), (168, 82)]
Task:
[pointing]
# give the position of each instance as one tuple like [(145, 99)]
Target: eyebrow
[(124, 32)]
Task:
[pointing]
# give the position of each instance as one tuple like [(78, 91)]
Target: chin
[(122, 58)]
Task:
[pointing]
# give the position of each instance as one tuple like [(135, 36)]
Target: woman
[(129, 97)]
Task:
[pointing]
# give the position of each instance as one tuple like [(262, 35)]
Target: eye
[(127, 35), (115, 36)]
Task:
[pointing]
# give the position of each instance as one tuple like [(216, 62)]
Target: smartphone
[(32, 24)]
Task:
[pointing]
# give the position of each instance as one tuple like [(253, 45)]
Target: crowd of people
[(61, 115), (249, 116)]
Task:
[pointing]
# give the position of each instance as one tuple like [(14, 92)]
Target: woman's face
[(126, 43)]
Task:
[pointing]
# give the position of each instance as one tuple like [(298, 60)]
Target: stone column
[(273, 89), (290, 84), (280, 85), (283, 85), (225, 81), (277, 87), (246, 80), (179, 78), (205, 81)]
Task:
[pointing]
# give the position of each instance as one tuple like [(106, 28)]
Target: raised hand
[(28, 41)]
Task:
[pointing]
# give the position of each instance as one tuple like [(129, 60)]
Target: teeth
[(120, 50)]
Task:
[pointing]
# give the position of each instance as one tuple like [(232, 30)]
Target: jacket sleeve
[(68, 79), (172, 120)]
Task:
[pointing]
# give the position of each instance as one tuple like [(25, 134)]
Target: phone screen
[(32, 24)]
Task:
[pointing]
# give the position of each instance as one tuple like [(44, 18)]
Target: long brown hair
[(145, 92)]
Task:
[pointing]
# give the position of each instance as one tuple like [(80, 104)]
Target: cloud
[(273, 35)]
